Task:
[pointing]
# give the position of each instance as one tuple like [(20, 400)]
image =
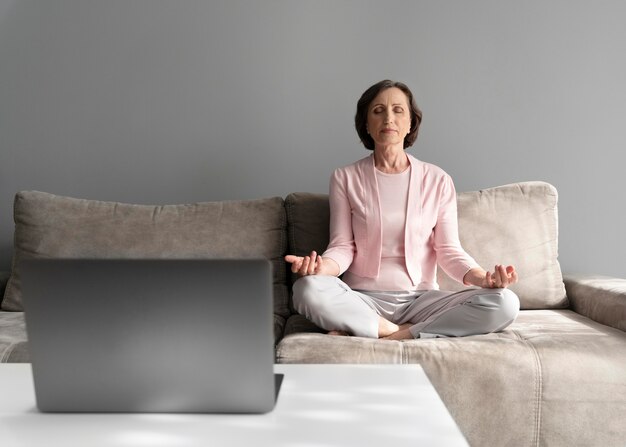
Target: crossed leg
[(332, 305)]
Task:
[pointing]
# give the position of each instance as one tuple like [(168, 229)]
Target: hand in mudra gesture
[(501, 277), (312, 264)]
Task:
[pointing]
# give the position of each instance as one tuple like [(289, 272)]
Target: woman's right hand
[(311, 265)]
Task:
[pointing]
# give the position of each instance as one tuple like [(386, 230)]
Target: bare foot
[(340, 333), (403, 334), (386, 327)]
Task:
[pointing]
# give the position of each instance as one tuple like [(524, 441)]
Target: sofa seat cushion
[(52, 226), (304, 342), (560, 373), (581, 371), (13, 337), (14, 342)]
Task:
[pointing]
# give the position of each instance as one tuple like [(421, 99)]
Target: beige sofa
[(556, 377)]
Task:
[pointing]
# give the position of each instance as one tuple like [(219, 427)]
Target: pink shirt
[(430, 230), (393, 190)]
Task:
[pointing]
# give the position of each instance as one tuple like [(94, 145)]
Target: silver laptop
[(151, 335)]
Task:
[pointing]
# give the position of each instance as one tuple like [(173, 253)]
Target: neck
[(391, 160)]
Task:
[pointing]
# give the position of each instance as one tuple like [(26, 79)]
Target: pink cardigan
[(431, 231)]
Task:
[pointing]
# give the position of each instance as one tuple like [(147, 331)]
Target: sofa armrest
[(601, 298)]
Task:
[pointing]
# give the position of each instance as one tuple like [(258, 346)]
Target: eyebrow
[(381, 104)]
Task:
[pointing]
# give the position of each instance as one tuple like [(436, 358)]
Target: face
[(389, 117)]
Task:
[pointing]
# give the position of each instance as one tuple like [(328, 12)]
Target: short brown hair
[(360, 119)]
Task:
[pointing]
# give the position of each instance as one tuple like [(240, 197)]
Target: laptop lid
[(150, 335)]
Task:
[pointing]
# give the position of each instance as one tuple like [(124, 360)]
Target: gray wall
[(150, 101)]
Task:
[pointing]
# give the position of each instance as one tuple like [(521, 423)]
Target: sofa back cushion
[(307, 223), (513, 224), (53, 226)]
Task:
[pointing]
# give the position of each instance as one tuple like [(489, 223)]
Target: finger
[(312, 263), (305, 265), (294, 268), (292, 258), (492, 279), (318, 266), (497, 281), (504, 277), (296, 265), (295, 262), (514, 277), (511, 274)]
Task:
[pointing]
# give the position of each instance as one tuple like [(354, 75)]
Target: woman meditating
[(393, 219)]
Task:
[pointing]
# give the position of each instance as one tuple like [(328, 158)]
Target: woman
[(392, 220)]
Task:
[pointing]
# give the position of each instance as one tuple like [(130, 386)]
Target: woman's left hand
[(501, 277)]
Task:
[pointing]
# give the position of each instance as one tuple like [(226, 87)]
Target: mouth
[(389, 131)]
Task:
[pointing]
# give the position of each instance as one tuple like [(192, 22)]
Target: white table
[(318, 405)]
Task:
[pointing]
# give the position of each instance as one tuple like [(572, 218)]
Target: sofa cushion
[(13, 337), (601, 298), (307, 223), (512, 224), (53, 226)]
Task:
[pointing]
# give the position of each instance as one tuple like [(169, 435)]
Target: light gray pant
[(333, 305)]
